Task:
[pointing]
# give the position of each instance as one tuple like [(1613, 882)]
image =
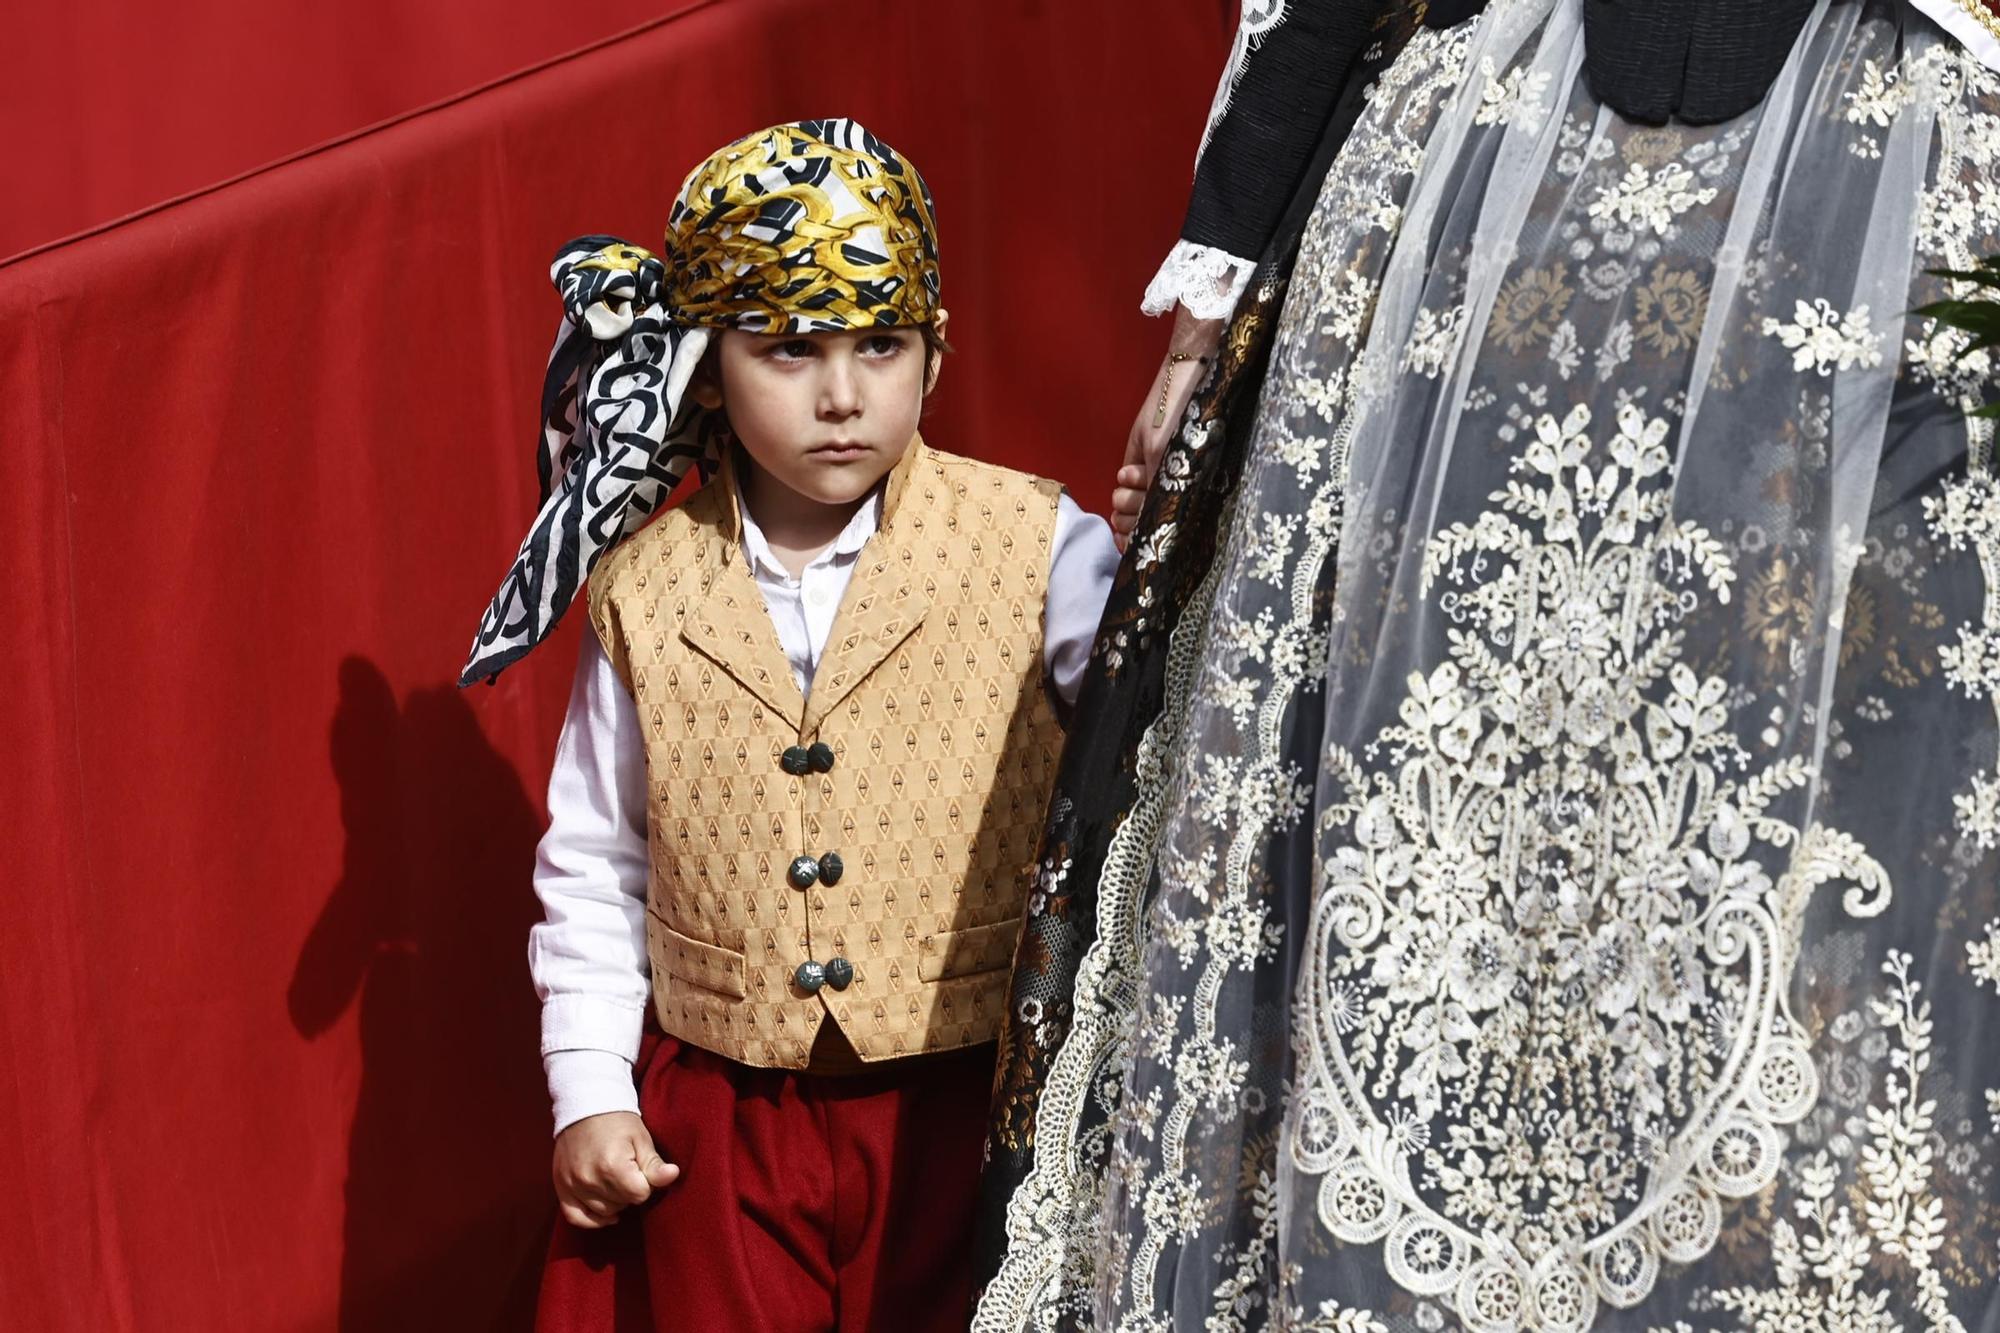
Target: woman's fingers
[(1174, 386)]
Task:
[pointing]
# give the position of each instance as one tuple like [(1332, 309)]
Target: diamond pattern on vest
[(930, 695)]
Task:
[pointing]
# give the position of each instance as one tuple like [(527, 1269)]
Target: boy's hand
[(1128, 499), (605, 1164)]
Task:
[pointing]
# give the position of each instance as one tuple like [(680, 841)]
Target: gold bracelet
[(1174, 360)]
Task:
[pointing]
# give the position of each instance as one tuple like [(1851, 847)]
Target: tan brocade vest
[(943, 748)]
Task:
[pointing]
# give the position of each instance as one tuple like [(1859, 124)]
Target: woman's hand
[(605, 1164), (1181, 372)]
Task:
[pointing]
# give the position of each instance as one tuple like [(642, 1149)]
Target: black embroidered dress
[(1529, 857)]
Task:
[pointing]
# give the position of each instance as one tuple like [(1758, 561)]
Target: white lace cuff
[(1207, 281)]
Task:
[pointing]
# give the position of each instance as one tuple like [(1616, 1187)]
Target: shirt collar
[(852, 538)]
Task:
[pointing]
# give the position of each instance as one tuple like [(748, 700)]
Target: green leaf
[(1962, 314), (1987, 274), (1978, 317), (1982, 322)]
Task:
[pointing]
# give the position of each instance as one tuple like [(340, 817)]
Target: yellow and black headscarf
[(811, 227)]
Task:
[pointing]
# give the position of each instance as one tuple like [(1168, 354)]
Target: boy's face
[(825, 414)]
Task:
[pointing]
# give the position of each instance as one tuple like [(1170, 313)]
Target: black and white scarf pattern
[(614, 442)]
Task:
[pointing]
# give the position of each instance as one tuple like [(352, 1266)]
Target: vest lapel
[(727, 621), (890, 593)]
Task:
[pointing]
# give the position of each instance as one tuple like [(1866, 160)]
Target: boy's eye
[(793, 349), (882, 344)]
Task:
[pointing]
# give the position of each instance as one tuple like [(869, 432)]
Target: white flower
[(1210, 1072), (1482, 967), (1513, 100), (1578, 639), (1594, 713), (1822, 338), (1433, 342), (1236, 933), (1609, 968), (1676, 985), (1155, 547), (1344, 1004), (1983, 957), (1976, 812), (1653, 201), (1879, 98), (1234, 695)]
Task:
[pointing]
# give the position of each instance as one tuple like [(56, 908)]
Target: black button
[(804, 873), (839, 973), (810, 976), (796, 760), (821, 755), (831, 869)]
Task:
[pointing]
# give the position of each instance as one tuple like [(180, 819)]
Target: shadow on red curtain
[(429, 902)]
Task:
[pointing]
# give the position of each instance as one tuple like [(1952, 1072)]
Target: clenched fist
[(604, 1164)]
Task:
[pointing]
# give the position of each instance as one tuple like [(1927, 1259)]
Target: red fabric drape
[(110, 107), (267, 1027)]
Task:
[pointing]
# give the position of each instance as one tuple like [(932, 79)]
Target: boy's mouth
[(839, 449)]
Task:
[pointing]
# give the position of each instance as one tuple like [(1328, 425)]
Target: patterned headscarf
[(811, 227)]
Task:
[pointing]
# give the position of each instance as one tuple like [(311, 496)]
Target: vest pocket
[(685, 958), (960, 953)]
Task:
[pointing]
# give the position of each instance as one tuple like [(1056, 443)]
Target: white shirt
[(588, 956)]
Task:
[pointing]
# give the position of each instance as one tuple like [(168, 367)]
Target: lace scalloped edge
[(1209, 282)]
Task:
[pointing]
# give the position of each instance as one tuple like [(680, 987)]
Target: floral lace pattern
[(1563, 885), (1052, 1270), (1555, 854)]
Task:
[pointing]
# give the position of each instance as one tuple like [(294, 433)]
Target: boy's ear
[(705, 385), (936, 366)]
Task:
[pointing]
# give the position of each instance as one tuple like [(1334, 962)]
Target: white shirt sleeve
[(588, 955), (1082, 562)]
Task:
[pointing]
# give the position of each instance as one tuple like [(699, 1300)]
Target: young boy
[(805, 764)]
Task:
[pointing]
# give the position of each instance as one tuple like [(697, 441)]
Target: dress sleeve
[(1290, 61)]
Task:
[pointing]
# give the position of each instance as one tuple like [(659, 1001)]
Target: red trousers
[(807, 1203)]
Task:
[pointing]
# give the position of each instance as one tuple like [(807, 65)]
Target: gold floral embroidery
[(1779, 613), (1530, 307), (1859, 624), (1653, 148), (1671, 308)]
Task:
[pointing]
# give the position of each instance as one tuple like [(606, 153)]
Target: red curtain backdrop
[(110, 106), (269, 1041)]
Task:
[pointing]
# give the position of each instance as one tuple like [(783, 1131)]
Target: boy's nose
[(840, 391)]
